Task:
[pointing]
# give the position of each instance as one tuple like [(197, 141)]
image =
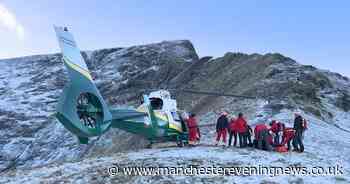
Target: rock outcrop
[(30, 86)]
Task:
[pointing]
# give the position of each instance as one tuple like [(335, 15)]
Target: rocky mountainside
[(32, 140)]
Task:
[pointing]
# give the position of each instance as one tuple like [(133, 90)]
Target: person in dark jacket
[(248, 136), (221, 128), (298, 137), (241, 125)]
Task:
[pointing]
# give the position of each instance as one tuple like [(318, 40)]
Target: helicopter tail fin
[(71, 54), (81, 108)]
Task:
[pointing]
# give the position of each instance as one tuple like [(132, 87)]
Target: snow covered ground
[(325, 146), (35, 148)]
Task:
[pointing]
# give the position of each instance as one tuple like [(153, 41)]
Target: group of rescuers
[(270, 137)]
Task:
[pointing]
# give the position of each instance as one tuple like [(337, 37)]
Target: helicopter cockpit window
[(156, 103)]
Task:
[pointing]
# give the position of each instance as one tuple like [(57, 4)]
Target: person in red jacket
[(288, 136), (258, 129), (193, 135), (263, 139), (232, 132), (241, 126), (274, 126), (276, 129)]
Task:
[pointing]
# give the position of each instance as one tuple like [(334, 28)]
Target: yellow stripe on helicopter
[(157, 114), (77, 68), (175, 126), (161, 117)]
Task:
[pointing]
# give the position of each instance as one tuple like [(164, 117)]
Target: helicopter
[(82, 110)]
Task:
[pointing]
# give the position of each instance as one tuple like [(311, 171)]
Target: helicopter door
[(156, 103), (175, 121)]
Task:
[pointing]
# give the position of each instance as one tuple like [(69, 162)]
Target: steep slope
[(33, 141)]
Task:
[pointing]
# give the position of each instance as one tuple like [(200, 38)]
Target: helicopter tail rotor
[(81, 108)]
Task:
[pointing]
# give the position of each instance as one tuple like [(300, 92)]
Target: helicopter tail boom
[(81, 108)]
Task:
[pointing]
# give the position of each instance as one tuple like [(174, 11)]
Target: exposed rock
[(31, 139), (343, 101)]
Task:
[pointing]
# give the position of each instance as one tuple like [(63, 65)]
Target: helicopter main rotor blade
[(210, 93), (213, 93)]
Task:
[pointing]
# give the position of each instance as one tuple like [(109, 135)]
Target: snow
[(89, 53), (50, 154), (180, 51), (180, 157), (325, 146)]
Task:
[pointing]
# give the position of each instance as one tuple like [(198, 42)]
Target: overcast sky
[(311, 32)]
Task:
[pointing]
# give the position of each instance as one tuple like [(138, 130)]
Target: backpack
[(304, 124)]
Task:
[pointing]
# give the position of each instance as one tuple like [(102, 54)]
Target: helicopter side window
[(156, 103)]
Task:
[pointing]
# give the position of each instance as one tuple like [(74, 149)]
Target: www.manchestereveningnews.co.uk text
[(227, 171)]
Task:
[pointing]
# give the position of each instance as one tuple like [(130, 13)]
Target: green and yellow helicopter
[(83, 111)]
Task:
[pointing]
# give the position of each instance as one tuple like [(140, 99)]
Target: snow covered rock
[(34, 143), (30, 87)]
